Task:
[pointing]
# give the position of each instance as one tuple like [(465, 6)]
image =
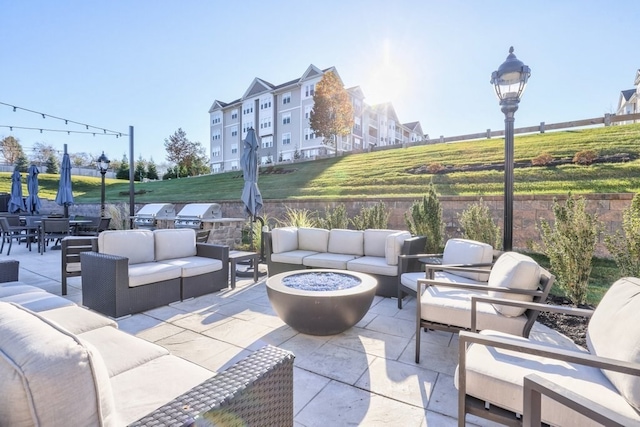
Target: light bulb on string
[(43, 116), (14, 109)]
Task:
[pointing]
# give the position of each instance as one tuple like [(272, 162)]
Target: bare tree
[(11, 149)]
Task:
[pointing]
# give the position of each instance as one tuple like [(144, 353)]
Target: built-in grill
[(192, 215), (148, 216)]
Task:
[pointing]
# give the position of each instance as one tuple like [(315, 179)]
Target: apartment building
[(629, 102), (280, 115)]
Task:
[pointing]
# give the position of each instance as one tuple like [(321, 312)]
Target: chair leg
[(9, 248), (418, 343)]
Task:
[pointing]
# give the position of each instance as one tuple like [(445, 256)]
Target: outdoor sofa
[(137, 270), (61, 364), (372, 251)]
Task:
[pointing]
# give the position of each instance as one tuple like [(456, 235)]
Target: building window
[(247, 126), (286, 138), (286, 98), (307, 112), (286, 118), (265, 103), (267, 142), (234, 114), (234, 131), (216, 135), (215, 152), (309, 90), (286, 157), (216, 119), (234, 148), (265, 123), (309, 134), (234, 166), (215, 168), (247, 110)]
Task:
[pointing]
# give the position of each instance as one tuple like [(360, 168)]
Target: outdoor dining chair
[(11, 233), (53, 229)]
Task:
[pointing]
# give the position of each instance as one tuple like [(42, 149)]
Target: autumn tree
[(41, 153), (332, 114), (11, 149), (190, 157)]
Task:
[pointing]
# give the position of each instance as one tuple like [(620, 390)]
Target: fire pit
[(321, 302)]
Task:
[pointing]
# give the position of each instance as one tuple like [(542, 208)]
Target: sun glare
[(388, 80)]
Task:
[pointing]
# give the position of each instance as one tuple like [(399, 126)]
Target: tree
[(190, 157), (22, 163), (42, 152), (140, 171), (332, 114), (11, 149), (152, 171), (80, 159), (52, 164), (123, 170)]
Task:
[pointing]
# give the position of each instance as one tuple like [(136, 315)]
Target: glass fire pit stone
[(321, 302)]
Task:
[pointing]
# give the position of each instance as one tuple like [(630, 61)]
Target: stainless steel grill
[(148, 216), (192, 215)]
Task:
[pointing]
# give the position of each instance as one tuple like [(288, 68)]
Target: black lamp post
[(509, 82), (103, 165)]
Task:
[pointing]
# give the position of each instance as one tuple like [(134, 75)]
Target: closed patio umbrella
[(33, 201), (16, 203), (251, 196), (65, 196)]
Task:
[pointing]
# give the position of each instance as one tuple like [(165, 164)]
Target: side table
[(236, 256)]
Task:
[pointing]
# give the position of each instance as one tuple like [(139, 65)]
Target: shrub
[(542, 160), (570, 245), (298, 218), (477, 224), (585, 157), (625, 246), (425, 219), (376, 216), (435, 167), (334, 217)]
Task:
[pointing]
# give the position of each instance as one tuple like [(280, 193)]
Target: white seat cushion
[(48, 376), (515, 271), (410, 280), (453, 307), (614, 331), (291, 257), (77, 319), (136, 245), (328, 260), (284, 239), (38, 301), (372, 265), (313, 239), (73, 267), (496, 375), (174, 243), (348, 242), (195, 265), (464, 251), (152, 272), (15, 288)]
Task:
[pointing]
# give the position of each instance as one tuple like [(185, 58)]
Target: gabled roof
[(627, 94), (217, 105), (356, 91), (411, 125), (257, 87)]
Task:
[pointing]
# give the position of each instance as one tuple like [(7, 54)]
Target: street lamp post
[(103, 165), (509, 82)]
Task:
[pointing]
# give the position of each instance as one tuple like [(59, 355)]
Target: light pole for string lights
[(103, 165), (509, 82)]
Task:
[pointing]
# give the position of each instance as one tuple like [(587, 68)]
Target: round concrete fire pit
[(321, 302)]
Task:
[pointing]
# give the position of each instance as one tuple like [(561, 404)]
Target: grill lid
[(200, 211), (157, 211)]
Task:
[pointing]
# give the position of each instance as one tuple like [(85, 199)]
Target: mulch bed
[(572, 326)]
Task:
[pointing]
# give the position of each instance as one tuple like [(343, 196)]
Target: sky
[(158, 65)]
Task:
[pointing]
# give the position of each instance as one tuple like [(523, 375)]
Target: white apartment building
[(280, 115), (629, 102)]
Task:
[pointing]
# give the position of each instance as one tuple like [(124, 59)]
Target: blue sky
[(159, 65)]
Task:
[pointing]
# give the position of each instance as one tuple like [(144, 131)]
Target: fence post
[(488, 133), (541, 127), (607, 119)]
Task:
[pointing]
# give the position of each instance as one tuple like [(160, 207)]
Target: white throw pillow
[(515, 271), (313, 239), (174, 243), (614, 332), (284, 239), (393, 246)]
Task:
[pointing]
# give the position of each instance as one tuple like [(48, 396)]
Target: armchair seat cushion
[(372, 265), (451, 306), (292, 257), (410, 280), (496, 376), (328, 260), (151, 272), (195, 266)]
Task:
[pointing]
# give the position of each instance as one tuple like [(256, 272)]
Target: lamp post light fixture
[(509, 81), (103, 165)]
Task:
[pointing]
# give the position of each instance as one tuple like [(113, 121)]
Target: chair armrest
[(257, 390), (471, 268), (535, 386), (211, 250), (111, 270), (483, 288)]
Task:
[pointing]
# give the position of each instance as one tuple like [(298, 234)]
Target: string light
[(68, 132)]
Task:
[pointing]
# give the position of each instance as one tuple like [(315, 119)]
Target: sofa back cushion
[(464, 251), (346, 242), (137, 245), (48, 376), (313, 239), (174, 243), (393, 246), (614, 332), (515, 271), (284, 239), (375, 241)]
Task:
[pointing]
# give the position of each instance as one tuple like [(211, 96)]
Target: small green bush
[(376, 216), (625, 247), (298, 218), (570, 244), (542, 160), (585, 157), (334, 217), (425, 219), (477, 224)]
